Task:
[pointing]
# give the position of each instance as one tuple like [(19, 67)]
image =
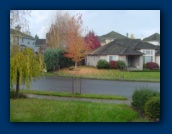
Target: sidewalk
[(127, 102)]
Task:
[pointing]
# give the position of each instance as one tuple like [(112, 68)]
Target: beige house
[(133, 52)]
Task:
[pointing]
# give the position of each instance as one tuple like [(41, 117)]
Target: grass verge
[(39, 110), (65, 94), (107, 74)]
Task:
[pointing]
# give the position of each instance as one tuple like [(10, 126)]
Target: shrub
[(71, 68), (103, 64), (140, 97), (121, 64), (113, 64), (152, 107), (152, 65), (54, 58)]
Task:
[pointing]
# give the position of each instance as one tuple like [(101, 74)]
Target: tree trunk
[(18, 84), (75, 64)]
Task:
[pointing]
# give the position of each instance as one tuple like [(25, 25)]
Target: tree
[(92, 40), (54, 58), (36, 37), (56, 35), (132, 36), (24, 66), (18, 17), (76, 46)]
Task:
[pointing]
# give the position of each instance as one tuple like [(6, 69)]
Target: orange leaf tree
[(76, 48)]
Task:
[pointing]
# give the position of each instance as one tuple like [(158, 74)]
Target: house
[(153, 39), (111, 36), (133, 52), (22, 39), (40, 45)]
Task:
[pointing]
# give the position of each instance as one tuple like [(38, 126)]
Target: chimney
[(18, 28), (127, 35)]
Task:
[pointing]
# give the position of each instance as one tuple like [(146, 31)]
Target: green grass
[(39, 110), (108, 74), (65, 94)]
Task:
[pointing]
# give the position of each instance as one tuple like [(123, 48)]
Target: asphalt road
[(63, 84)]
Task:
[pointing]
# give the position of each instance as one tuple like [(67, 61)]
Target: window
[(147, 52), (112, 58), (22, 39), (28, 42), (33, 43), (147, 59)]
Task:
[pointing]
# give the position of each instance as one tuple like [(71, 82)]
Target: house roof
[(112, 35), (145, 45), (114, 48), (123, 47), (128, 42), (18, 33), (40, 42), (153, 37)]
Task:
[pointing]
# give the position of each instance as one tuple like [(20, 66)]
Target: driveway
[(64, 84)]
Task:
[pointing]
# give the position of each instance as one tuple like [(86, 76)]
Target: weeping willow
[(25, 66)]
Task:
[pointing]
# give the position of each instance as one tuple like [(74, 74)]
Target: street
[(64, 84)]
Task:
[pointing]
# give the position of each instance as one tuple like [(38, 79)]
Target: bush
[(152, 65), (121, 64), (54, 58), (140, 97), (152, 107), (103, 64), (71, 68), (113, 64)]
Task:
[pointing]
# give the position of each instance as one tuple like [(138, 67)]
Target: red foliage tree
[(92, 40)]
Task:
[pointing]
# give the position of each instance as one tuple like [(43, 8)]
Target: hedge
[(140, 96), (152, 107), (103, 64), (152, 65), (113, 64)]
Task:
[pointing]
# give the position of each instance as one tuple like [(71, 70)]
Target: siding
[(27, 42), (158, 60), (92, 60)]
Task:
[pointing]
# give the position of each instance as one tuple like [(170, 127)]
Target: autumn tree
[(92, 40), (132, 36), (56, 35), (18, 17), (76, 46), (24, 66)]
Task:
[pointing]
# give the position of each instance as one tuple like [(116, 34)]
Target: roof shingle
[(123, 47)]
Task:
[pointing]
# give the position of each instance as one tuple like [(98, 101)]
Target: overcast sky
[(139, 22)]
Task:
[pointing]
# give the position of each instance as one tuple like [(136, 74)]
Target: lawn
[(41, 110), (109, 74)]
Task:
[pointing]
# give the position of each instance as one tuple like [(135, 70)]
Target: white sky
[(139, 22)]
